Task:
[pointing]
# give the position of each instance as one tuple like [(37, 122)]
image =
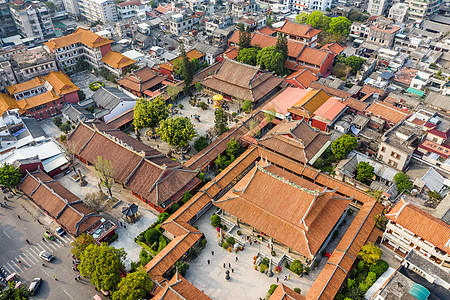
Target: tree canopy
[(135, 286), (247, 105), (185, 68), (318, 20), (14, 294), (272, 59), (282, 45), (248, 56), (402, 182), (245, 36), (150, 113), (333, 29), (364, 172), (105, 171), (355, 62), (340, 26), (296, 267), (81, 243), (177, 131), (370, 253), (220, 121), (9, 176), (102, 264), (343, 145)]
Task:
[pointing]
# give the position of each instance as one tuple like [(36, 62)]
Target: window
[(383, 149), (435, 139), (395, 155), (392, 163), (380, 157)]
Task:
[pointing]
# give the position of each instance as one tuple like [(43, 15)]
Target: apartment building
[(7, 27), (179, 24), (129, 9), (72, 8), (33, 20), (32, 63), (82, 44), (240, 9), (410, 228), (419, 10), (98, 10), (302, 5), (377, 7), (383, 35), (398, 12)]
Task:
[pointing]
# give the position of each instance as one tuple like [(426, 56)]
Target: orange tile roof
[(335, 48), (430, 228), (27, 85), (328, 111), (356, 104), (179, 288), (117, 60), (61, 83), (304, 31), (81, 35), (313, 56), (329, 90), (283, 292), (387, 111), (286, 99), (7, 102), (266, 30), (231, 53), (37, 100), (301, 78), (306, 106)]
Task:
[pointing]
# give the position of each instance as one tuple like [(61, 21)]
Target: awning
[(419, 291), (415, 91)]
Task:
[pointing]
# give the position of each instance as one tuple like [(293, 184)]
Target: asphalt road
[(13, 247)]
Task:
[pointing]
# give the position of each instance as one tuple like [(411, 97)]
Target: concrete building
[(377, 7), (419, 10), (98, 10), (129, 9), (82, 44), (383, 35), (180, 23), (398, 12), (239, 9), (302, 5), (32, 63), (6, 75), (7, 27), (72, 8), (33, 20)]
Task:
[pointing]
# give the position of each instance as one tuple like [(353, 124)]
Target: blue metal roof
[(419, 291)]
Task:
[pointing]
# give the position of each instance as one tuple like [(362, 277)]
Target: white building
[(33, 20), (398, 12), (180, 24), (72, 8), (376, 7), (302, 5), (98, 10), (129, 9), (420, 10)]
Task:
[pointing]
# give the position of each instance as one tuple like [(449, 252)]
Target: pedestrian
[(78, 277), (208, 261), (229, 265), (224, 265), (56, 278), (212, 252), (237, 258), (120, 223), (285, 278), (75, 279), (289, 278), (232, 270), (28, 242), (20, 262), (278, 279), (18, 217), (43, 239)]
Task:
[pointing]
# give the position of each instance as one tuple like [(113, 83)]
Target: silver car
[(46, 256), (34, 285)]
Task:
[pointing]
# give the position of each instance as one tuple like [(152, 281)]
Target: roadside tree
[(135, 286), (220, 121), (81, 243), (9, 176)]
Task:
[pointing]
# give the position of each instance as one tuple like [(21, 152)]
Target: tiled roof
[(304, 31), (368, 89), (117, 60), (301, 78), (356, 104), (156, 178), (132, 2), (302, 223), (286, 99), (24, 86), (40, 99), (295, 139), (308, 104), (313, 56), (61, 83), (387, 111), (231, 53), (141, 80), (266, 30), (328, 111), (283, 292), (194, 53), (7, 102), (335, 48), (179, 288), (122, 119), (66, 208), (329, 90), (81, 35), (430, 228)]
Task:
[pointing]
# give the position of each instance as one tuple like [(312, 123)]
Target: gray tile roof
[(109, 97)]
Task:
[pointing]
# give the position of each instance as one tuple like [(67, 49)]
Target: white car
[(34, 286), (60, 231), (46, 256)]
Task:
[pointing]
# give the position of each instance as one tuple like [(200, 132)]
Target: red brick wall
[(70, 98), (105, 49), (319, 125), (327, 64)]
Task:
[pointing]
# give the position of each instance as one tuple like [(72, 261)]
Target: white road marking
[(12, 268), (6, 234), (46, 248), (7, 270), (67, 294), (23, 262), (32, 256), (35, 250), (52, 245), (45, 272), (24, 254)]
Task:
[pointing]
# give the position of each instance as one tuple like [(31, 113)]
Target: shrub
[(272, 289), (278, 269), (247, 106), (141, 238), (203, 243), (94, 86), (215, 221), (200, 143), (286, 265), (297, 267), (351, 283), (379, 267), (57, 121), (162, 217), (174, 207), (239, 233), (225, 245), (152, 235), (361, 266), (307, 270), (262, 268), (231, 241), (298, 290), (265, 261), (65, 127), (202, 105), (273, 253), (155, 246), (370, 279), (180, 106)]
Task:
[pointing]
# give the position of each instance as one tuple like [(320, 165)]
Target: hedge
[(94, 86)]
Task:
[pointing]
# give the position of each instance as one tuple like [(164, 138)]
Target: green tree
[(200, 143), (81, 243), (296, 267), (245, 36), (65, 127), (149, 113), (172, 91), (379, 267), (434, 195), (271, 59), (177, 132), (355, 63), (234, 148), (11, 293), (364, 172), (186, 69), (370, 253), (282, 45), (182, 267), (135, 286), (103, 265), (51, 6), (105, 171), (318, 20), (163, 217), (198, 87), (215, 220), (152, 235), (301, 18), (402, 182), (247, 105), (81, 95), (356, 294), (57, 121), (220, 121), (340, 26), (343, 145), (270, 114), (269, 21), (248, 56), (354, 15), (10, 176), (272, 289)]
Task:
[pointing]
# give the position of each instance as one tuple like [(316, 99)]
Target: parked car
[(48, 235), (34, 285), (46, 256), (60, 231)]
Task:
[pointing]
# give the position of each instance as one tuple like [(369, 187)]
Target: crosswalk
[(29, 256)]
